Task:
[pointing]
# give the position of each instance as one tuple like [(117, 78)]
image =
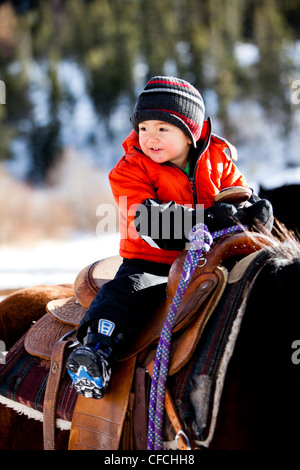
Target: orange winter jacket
[(136, 178)]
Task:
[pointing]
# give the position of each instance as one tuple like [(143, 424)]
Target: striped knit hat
[(172, 100)]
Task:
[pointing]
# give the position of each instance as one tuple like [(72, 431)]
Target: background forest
[(73, 69)]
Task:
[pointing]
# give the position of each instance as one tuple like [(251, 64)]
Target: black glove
[(179, 221), (259, 213), (220, 215), (256, 213)]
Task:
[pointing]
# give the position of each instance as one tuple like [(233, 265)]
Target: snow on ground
[(55, 262), (52, 262)]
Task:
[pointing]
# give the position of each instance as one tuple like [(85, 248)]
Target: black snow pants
[(130, 299)]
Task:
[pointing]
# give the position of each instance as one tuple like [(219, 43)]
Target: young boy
[(165, 183)]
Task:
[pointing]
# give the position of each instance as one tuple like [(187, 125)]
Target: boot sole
[(85, 373)]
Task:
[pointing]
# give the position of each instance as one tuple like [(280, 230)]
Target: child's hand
[(220, 215), (258, 214)]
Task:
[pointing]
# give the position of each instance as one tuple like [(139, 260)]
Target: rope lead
[(201, 240)]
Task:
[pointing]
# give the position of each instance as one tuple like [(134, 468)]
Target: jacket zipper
[(193, 184), (192, 179)]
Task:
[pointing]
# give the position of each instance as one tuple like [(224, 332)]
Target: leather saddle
[(206, 285), (51, 336)]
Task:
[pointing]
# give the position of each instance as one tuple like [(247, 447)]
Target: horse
[(282, 198), (259, 403)]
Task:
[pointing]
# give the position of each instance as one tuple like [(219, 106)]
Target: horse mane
[(283, 244)]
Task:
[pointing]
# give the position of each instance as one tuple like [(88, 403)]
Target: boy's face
[(163, 142)]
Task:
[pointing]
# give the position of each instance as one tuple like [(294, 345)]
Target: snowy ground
[(55, 262), (52, 262)]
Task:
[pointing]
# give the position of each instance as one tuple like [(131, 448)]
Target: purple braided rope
[(201, 241)]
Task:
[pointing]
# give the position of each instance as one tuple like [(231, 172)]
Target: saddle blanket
[(23, 380)]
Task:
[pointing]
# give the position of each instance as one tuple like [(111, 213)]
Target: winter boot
[(90, 365)]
